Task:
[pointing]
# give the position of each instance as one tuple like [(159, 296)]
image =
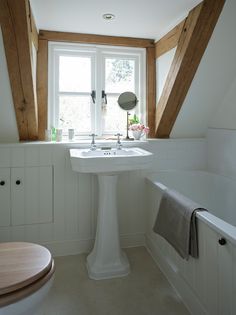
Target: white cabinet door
[(5, 196), (31, 195)]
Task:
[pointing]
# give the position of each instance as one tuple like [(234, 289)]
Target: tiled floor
[(145, 291)]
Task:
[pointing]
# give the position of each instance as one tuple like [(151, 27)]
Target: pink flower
[(139, 127), (146, 130)]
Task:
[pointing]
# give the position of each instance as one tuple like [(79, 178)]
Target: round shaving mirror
[(127, 100)]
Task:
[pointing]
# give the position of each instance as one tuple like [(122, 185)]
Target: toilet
[(26, 275)]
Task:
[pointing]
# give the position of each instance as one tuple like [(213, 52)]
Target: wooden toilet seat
[(24, 268)]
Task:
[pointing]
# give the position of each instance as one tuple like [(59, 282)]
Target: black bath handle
[(2, 182), (18, 182), (222, 241)]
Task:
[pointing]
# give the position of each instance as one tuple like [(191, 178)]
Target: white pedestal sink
[(107, 260)]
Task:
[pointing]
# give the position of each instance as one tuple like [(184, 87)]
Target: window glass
[(74, 74), (75, 112), (114, 118), (120, 75)]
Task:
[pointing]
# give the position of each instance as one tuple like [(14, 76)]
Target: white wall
[(34, 68), (221, 151), (225, 115), (8, 128), (212, 81), (163, 64)]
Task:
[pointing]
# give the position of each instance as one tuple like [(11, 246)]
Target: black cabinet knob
[(18, 182), (222, 241), (2, 182)]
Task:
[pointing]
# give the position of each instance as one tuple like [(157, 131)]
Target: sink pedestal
[(107, 260)]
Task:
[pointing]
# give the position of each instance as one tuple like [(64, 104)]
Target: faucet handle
[(118, 145), (118, 135), (93, 145), (93, 135)]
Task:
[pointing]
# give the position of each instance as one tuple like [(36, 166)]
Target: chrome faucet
[(118, 144), (93, 145)]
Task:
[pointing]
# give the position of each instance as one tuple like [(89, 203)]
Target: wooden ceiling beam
[(95, 39), (33, 28), (193, 41), (170, 40), (15, 26)]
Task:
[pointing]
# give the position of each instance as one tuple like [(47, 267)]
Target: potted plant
[(137, 128)]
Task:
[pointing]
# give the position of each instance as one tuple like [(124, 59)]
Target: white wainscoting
[(73, 227), (221, 151)]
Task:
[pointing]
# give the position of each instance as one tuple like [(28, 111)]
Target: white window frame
[(98, 53)]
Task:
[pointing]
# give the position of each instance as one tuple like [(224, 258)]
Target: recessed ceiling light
[(108, 16)]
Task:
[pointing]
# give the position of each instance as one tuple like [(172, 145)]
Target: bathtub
[(207, 285)]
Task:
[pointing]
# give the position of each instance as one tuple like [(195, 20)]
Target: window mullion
[(56, 94), (93, 85), (99, 85)]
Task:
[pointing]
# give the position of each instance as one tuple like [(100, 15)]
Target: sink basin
[(112, 160)]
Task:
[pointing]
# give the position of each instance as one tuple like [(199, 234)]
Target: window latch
[(104, 96), (93, 95)]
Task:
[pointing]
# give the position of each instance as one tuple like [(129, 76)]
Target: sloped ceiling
[(8, 128), (145, 19), (212, 81)]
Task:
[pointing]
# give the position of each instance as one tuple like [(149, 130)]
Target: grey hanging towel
[(176, 223)]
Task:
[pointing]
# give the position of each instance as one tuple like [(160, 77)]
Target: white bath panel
[(187, 271), (207, 284), (225, 285), (234, 280), (200, 264)]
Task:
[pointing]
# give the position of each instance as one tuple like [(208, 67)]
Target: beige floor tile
[(145, 291)]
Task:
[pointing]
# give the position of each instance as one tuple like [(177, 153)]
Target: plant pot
[(137, 134)]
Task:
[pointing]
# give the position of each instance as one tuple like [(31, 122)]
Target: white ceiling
[(134, 18)]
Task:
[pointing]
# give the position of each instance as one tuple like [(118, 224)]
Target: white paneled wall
[(221, 151), (74, 211), (5, 195), (188, 154)]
